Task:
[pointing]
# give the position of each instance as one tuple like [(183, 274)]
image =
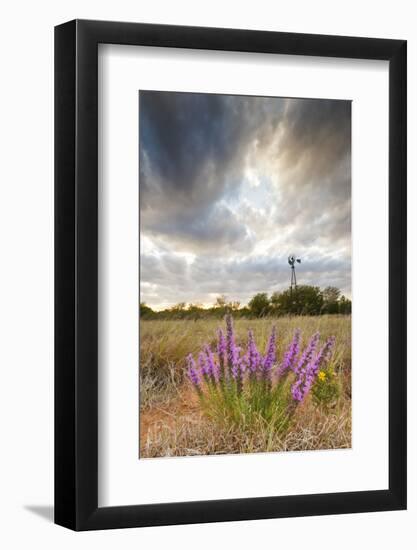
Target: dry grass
[(171, 420)]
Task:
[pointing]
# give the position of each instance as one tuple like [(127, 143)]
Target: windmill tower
[(292, 260)]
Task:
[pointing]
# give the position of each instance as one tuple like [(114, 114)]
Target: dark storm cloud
[(192, 149), (210, 228), (315, 159), (183, 135), (198, 153), (313, 125)]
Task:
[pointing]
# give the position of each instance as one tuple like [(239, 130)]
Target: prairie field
[(173, 421)]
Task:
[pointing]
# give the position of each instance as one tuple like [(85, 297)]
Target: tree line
[(301, 300)]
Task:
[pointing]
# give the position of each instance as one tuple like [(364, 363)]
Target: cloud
[(238, 278), (192, 149), (210, 228), (237, 183)]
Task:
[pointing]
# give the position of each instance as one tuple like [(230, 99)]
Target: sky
[(229, 186)]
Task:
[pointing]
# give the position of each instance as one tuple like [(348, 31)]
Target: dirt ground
[(184, 407)]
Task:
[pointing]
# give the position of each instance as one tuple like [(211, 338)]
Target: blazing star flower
[(324, 355), (203, 364), (193, 373), (307, 354), (290, 355), (221, 352), (232, 352), (190, 361), (225, 368), (210, 365), (270, 356), (253, 356), (307, 372), (314, 366), (237, 372), (296, 392)]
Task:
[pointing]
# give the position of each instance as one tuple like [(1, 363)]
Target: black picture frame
[(76, 272)]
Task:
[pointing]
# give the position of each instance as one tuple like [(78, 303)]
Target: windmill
[(292, 260)]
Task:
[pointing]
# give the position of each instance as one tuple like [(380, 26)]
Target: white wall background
[(26, 272)]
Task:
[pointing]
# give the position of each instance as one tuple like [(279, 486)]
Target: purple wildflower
[(314, 366), (270, 356), (307, 354), (210, 365), (237, 372), (253, 357), (202, 363), (232, 352), (194, 377), (300, 369), (324, 354), (290, 355), (221, 352), (193, 373), (296, 392), (190, 361), (308, 367), (240, 364)]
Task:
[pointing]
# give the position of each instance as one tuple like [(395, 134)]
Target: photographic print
[(245, 274)]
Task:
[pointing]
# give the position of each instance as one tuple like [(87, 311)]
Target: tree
[(309, 300), (345, 306), (301, 300), (220, 301), (276, 303), (178, 310), (221, 306), (331, 299), (259, 304), (331, 294), (195, 311), (145, 311)]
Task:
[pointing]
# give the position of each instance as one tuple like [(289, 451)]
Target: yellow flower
[(322, 376)]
